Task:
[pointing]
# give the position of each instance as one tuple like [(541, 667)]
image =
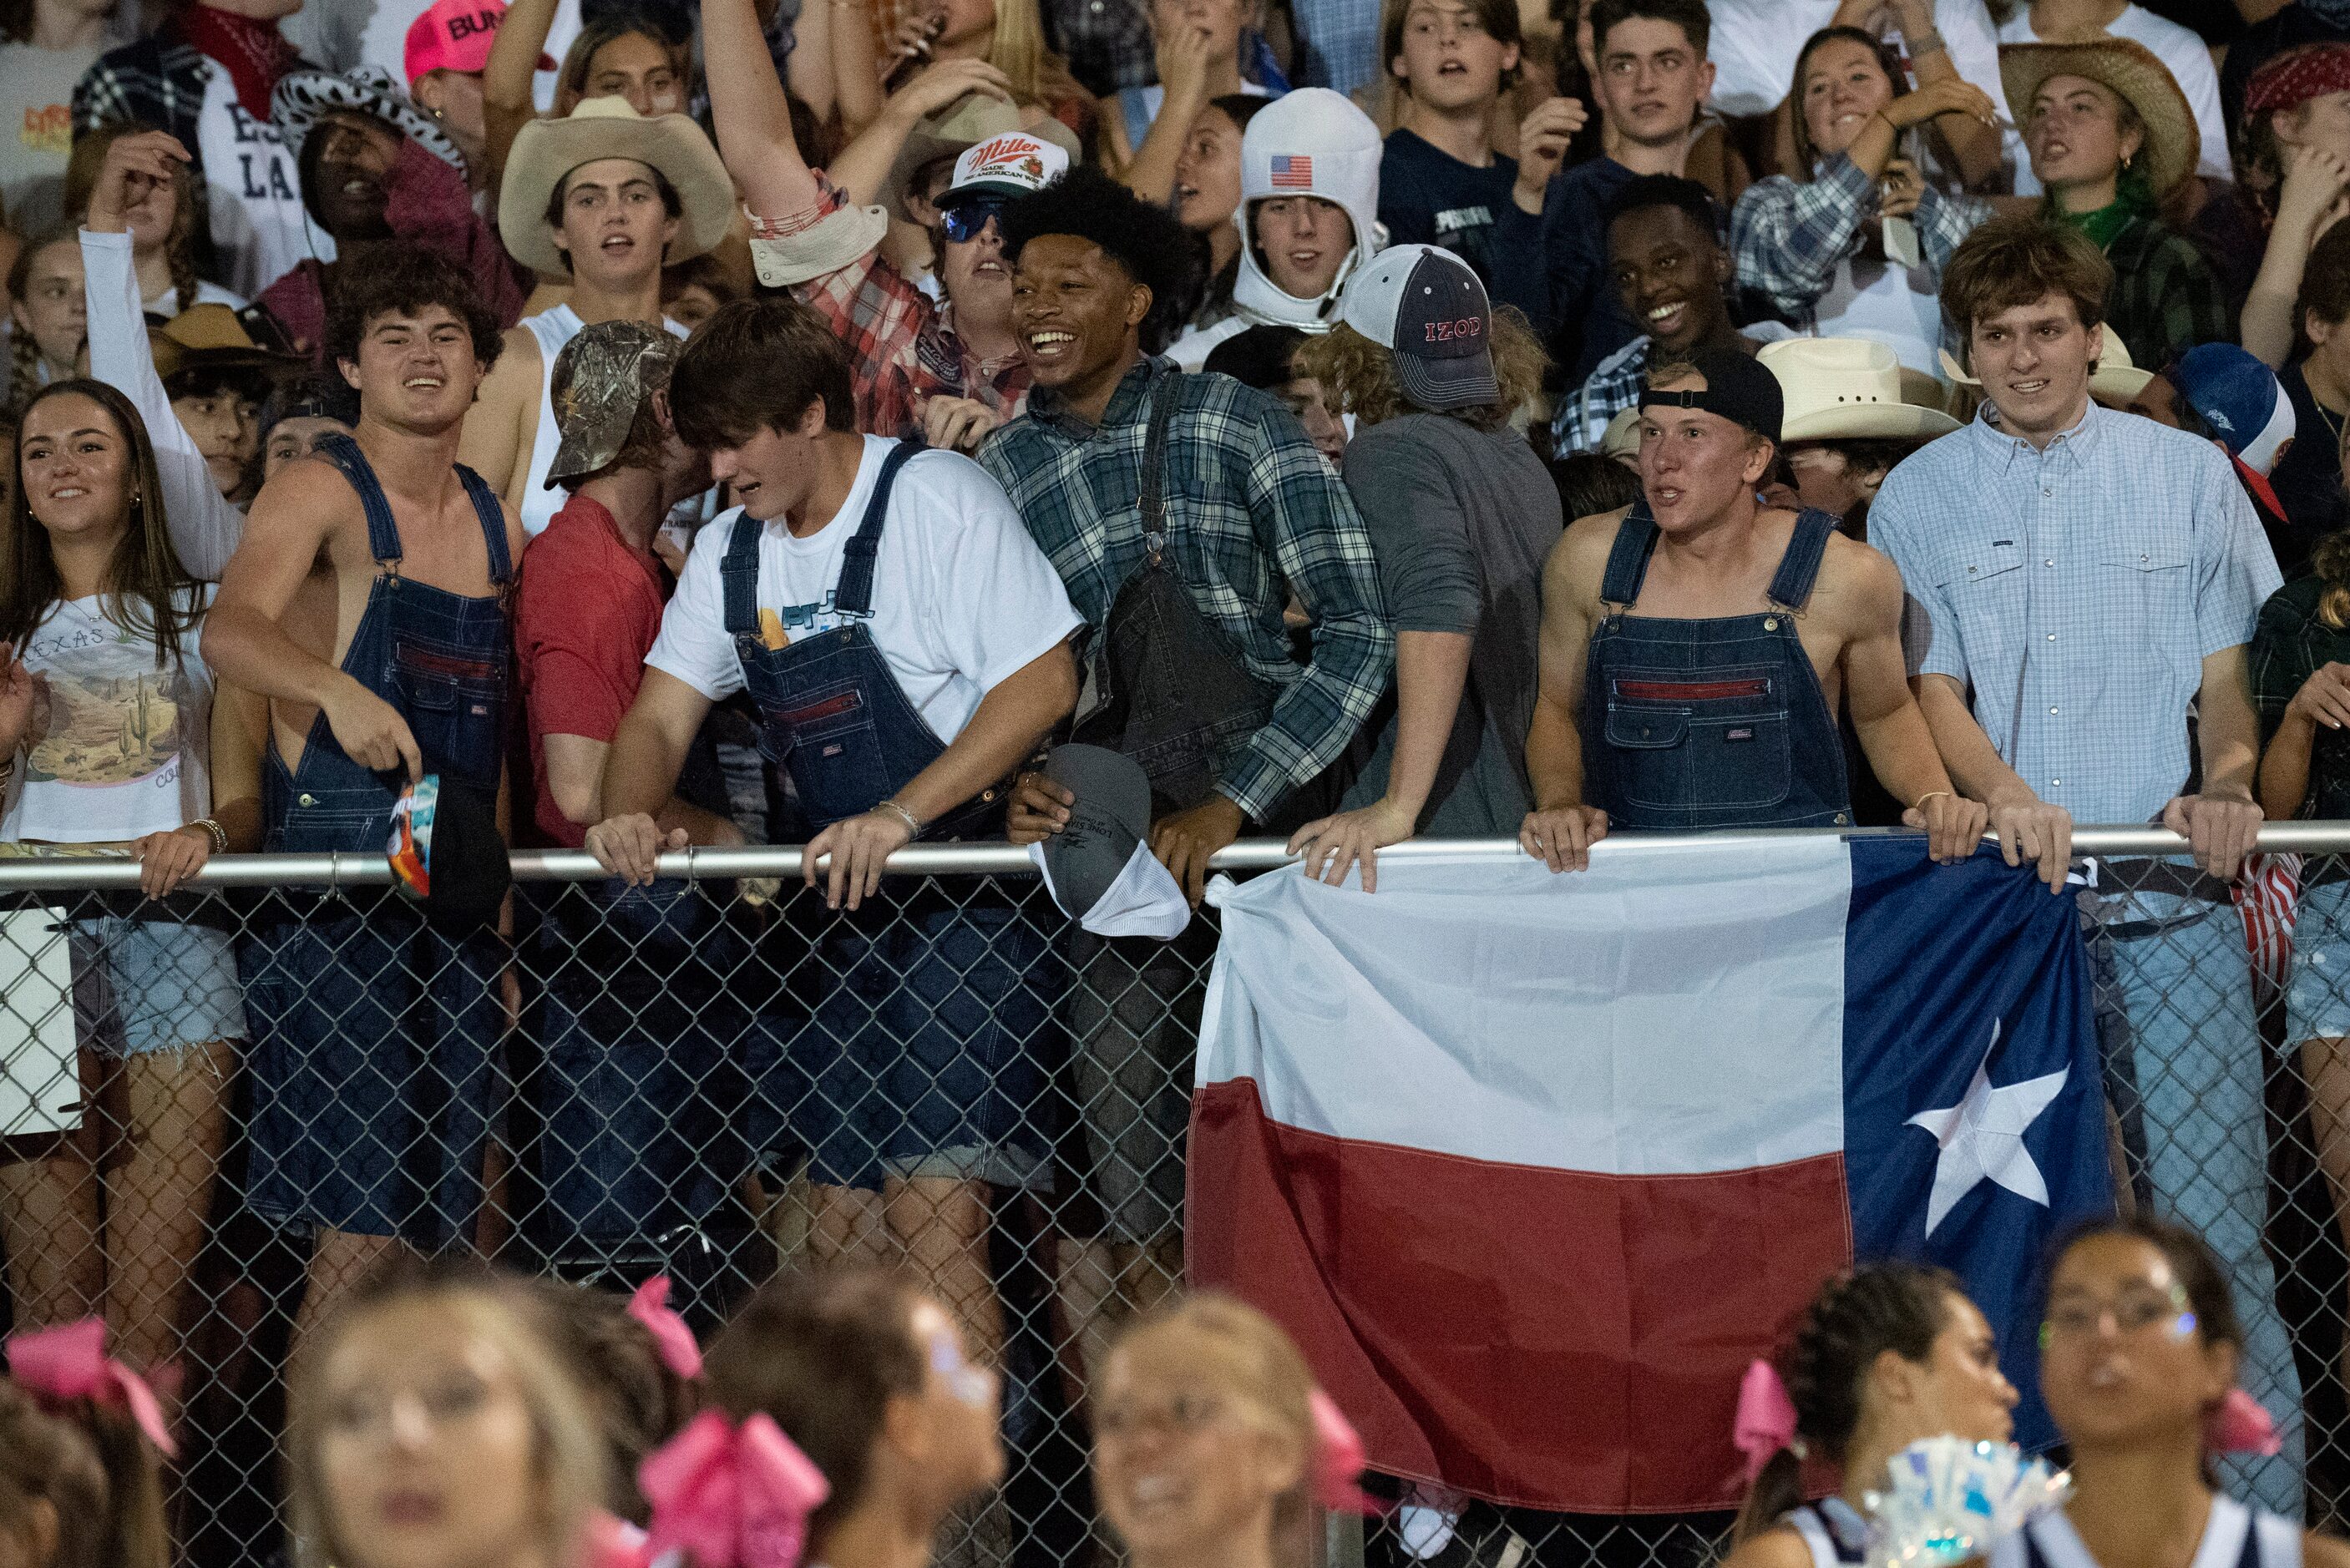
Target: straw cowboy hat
[(549, 150), (1848, 389), (2129, 70), (2115, 379)]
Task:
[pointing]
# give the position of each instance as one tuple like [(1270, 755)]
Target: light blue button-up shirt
[(2075, 591)]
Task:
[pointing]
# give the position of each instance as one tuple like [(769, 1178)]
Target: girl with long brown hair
[(112, 737), (50, 336), (158, 214)]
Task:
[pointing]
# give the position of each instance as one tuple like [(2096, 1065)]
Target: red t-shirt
[(585, 613)]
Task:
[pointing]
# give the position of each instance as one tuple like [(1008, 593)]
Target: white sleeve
[(2200, 80), (1742, 83), (694, 644), (1967, 32), (204, 526), (999, 604)]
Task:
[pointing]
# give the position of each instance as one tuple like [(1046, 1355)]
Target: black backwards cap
[(1738, 387)]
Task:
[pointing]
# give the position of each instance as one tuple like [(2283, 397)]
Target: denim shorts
[(2318, 1002), (143, 986)]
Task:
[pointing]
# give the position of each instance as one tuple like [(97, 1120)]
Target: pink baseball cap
[(454, 36)]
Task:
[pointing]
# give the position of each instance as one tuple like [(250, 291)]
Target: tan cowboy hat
[(549, 150), (2173, 145), (961, 126), (2117, 377), (210, 337), (1848, 389)]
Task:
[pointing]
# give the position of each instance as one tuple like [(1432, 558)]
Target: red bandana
[(2296, 75), (254, 52)]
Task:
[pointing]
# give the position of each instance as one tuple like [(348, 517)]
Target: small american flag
[(1293, 171)]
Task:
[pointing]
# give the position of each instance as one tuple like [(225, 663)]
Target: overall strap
[(1627, 559), (1799, 568), (384, 533), (494, 523), (854, 595), (1164, 390), (739, 572)]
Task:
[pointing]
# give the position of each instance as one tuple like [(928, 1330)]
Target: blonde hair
[(571, 1458), (1361, 374), (1251, 1359)]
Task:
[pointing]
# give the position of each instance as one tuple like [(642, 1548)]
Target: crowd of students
[(786, 425)]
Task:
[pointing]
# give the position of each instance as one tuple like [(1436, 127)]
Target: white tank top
[(2233, 1537), (552, 329), (1834, 1530)]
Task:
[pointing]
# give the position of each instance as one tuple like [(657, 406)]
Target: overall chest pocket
[(827, 740), (455, 706), (1700, 741)]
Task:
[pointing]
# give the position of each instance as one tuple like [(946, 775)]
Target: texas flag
[(1534, 1165)]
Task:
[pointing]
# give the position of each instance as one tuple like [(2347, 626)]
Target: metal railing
[(719, 1076)]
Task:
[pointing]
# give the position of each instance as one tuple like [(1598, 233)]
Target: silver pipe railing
[(80, 872)]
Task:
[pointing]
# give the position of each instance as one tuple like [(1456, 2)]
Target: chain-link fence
[(217, 1111)]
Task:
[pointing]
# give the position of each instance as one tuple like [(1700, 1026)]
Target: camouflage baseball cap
[(600, 379)]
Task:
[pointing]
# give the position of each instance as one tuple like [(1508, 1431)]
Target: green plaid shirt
[(2292, 644), (1254, 515), (2165, 299)]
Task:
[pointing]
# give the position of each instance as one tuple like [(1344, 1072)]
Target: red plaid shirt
[(903, 345)]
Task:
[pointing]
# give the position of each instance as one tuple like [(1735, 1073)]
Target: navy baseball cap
[(1429, 307)]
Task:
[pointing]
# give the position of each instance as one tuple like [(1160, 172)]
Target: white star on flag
[(1981, 1138)]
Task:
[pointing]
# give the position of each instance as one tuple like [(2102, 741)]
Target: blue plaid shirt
[(2077, 591), (1786, 238), (1254, 515), (1608, 392)]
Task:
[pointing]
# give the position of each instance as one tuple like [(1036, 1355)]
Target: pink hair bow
[(731, 1496), (1765, 1422), (674, 1342), (2241, 1425), (1337, 1457), (70, 1363)]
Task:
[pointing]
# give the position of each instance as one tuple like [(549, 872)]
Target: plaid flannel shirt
[(2165, 299), (1582, 420), (902, 346), (1254, 514), (1106, 43), (1786, 238), (157, 82)]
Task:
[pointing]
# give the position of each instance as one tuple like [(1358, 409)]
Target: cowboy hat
[(547, 150), (304, 98), (1848, 389), (2132, 72), (956, 129), (211, 337), (2117, 377)]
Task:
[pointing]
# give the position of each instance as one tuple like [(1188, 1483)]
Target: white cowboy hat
[(2115, 377), (549, 150), (1846, 389), (303, 98)]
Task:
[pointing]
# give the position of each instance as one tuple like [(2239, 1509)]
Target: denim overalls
[(374, 1037), (1170, 692), (1710, 723), (916, 1059)]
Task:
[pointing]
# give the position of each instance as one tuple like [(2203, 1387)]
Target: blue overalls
[(374, 1037), (1710, 723), (917, 1058)]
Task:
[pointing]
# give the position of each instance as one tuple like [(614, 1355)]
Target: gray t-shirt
[(1462, 520), (36, 109)]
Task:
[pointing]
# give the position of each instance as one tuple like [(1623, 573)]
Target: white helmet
[(1308, 143)]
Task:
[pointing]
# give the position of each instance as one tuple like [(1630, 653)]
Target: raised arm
[(1561, 829), (506, 81), (753, 115), (864, 165), (204, 526), (293, 519)]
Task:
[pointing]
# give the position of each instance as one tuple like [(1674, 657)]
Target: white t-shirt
[(125, 750), (2188, 58), (962, 595), (1755, 43), (36, 131)]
